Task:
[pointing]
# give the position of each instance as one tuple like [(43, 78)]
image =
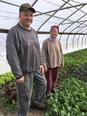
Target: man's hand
[(20, 80), (42, 70)]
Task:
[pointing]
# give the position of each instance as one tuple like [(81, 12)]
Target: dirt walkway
[(33, 112)]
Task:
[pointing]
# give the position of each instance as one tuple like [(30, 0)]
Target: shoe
[(53, 91), (48, 94), (40, 106)]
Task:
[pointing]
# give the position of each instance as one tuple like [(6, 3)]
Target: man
[(53, 56), (23, 55)]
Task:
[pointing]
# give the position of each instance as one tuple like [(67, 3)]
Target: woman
[(53, 57)]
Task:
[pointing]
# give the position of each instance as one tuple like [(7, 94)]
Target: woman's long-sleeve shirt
[(52, 53)]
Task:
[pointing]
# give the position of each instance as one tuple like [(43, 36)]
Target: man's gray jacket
[(23, 50)]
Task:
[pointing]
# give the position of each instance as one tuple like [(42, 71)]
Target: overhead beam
[(63, 8), (63, 33), (52, 15), (34, 2), (4, 30), (9, 3), (44, 32)]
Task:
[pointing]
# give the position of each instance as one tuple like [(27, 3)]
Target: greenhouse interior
[(70, 97)]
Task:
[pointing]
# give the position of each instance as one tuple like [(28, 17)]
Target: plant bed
[(81, 72), (69, 100)]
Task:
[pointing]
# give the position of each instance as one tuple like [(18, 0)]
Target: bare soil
[(33, 112)]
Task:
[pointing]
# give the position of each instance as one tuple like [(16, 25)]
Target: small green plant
[(8, 88), (6, 78), (9, 105)]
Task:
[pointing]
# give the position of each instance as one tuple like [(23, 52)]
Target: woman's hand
[(42, 70)]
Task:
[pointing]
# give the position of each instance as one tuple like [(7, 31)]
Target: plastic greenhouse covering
[(70, 15)]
